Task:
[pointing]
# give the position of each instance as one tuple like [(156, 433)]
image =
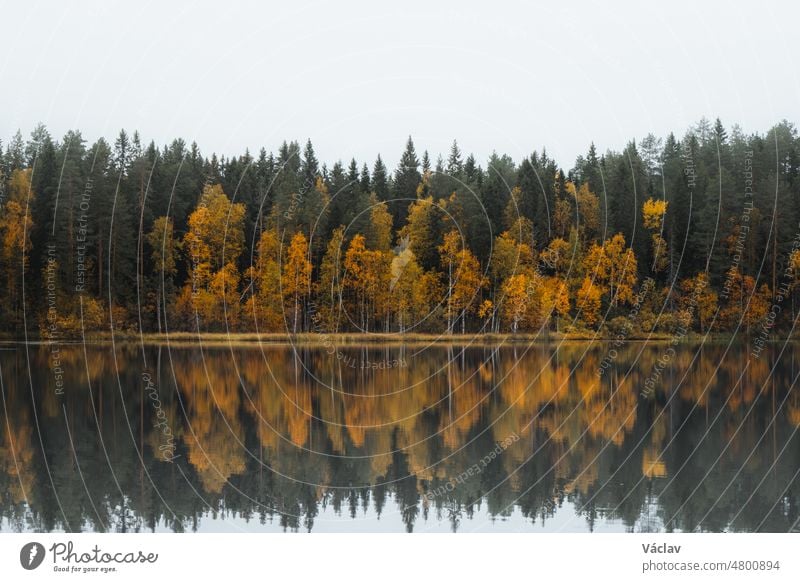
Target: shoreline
[(381, 339)]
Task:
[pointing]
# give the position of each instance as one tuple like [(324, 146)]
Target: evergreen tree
[(380, 181), (406, 180)]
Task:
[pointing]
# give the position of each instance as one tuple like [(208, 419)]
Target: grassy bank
[(360, 339)]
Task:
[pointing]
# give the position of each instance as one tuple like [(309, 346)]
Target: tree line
[(698, 232)]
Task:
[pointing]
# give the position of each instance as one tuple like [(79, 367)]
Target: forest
[(699, 233)]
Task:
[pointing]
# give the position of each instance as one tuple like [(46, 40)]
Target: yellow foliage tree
[(464, 279), (562, 217), (557, 255), (653, 212), (367, 278), (509, 256), (588, 206), (614, 269), (560, 293), (758, 306), (414, 292), (448, 253), (213, 243), (588, 302), (516, 300), (623, 269), (265, 304), (216, 229), (379, 231), (296, 278), (743, 303), (699, 299), (421, 229), (328, 288), (15, 229), (225, 297)]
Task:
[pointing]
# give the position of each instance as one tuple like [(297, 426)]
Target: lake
[(575, 437)]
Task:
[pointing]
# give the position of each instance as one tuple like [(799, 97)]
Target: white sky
[(359, 77)]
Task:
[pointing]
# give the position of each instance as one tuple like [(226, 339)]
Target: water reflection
[(398, 437)]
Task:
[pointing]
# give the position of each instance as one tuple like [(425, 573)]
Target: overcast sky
[(359, 77)]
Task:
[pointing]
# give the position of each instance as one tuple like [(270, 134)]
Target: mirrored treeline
[(294, 436)]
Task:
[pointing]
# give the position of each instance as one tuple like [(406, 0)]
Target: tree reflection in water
[(274, 435)]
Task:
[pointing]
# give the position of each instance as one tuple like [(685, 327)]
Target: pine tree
[(454, 164), (406, 180), (380, 181)]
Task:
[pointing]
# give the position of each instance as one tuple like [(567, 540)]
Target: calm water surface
[(399, 438)]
